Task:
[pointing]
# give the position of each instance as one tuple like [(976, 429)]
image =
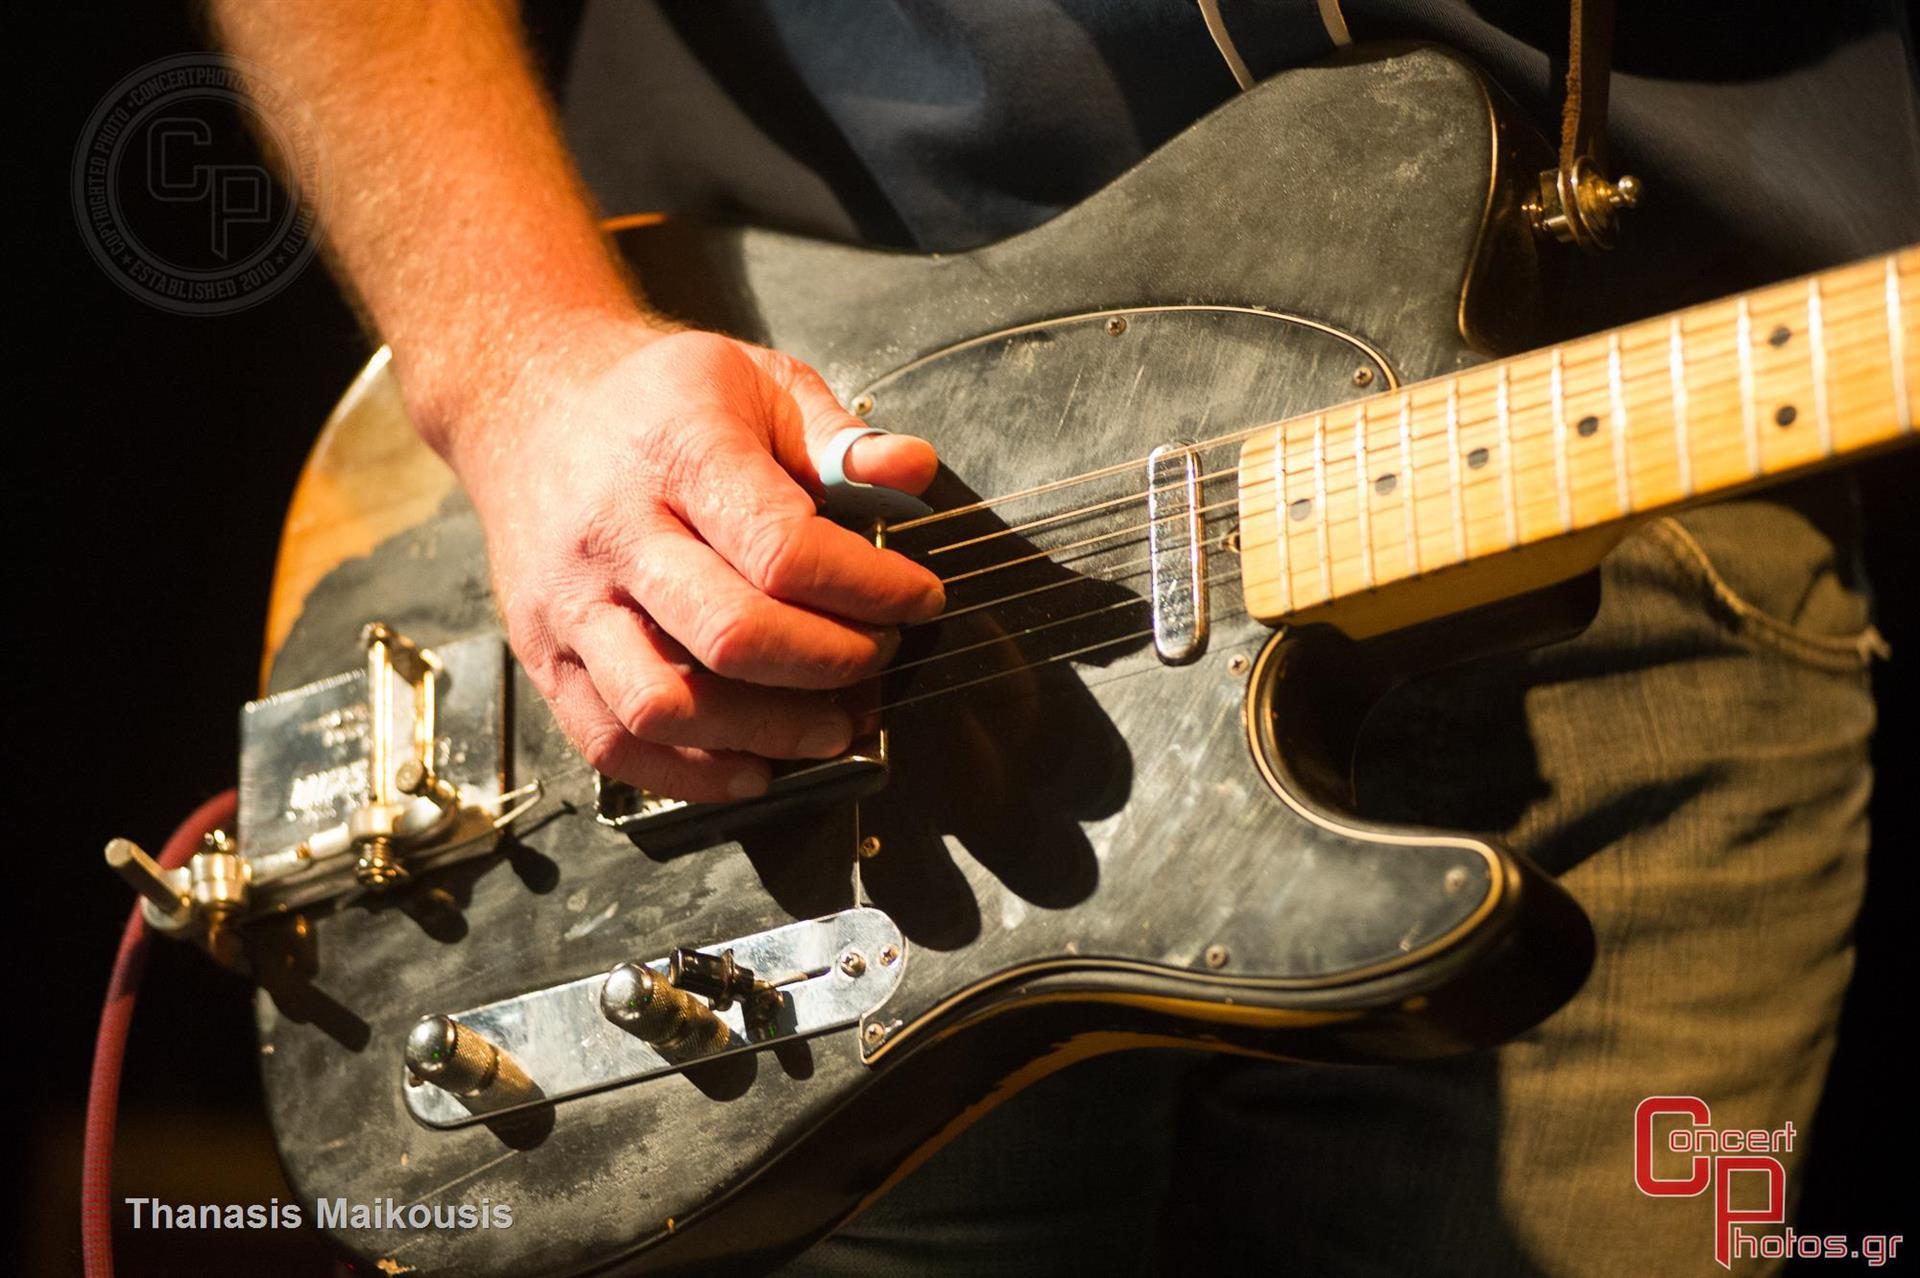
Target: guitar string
[(1594, 481), (1340, 430), (1578, 489), (1238, 436), (1603, 482), (1574, 485), (1136, 602), (1131, 636), (1832, 303), (1224, 576), (1134, 566), (1707, 366), (1130, 569)]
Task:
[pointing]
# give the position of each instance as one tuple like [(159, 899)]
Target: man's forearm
[(454, 212), (661, 568)]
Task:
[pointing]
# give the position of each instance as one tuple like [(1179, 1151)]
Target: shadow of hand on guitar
[(994, 740)]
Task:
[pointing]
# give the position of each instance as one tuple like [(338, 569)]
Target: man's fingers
[(656, 694), (740, 500), (736, 631), (906, 462), (697, 776)]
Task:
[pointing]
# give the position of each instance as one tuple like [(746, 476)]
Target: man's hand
[(644, 492), (658, 557)]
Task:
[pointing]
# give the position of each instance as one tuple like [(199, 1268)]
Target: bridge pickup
[(1176, 522)]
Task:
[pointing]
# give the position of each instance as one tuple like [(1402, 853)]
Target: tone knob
[(643, 1002), (447, 1054)]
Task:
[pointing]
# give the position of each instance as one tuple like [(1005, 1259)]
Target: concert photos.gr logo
[(1735, 1163), (177, 206)]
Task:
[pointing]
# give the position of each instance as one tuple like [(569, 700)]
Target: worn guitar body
[(1084, 846)]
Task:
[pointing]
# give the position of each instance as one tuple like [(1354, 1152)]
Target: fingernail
[(824, 741), (748, 783), (932, 604)]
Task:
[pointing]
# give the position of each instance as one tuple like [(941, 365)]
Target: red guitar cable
[(110, 1047)]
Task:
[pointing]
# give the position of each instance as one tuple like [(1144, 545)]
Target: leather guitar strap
[(1577, 200), (1583, 106)]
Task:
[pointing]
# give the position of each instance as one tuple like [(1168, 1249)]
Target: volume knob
[(447, 1054), (642, 1002)]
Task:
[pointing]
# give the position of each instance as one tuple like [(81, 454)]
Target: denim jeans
[(1694, 768)]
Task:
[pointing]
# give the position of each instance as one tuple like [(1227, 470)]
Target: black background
[(160, 452)]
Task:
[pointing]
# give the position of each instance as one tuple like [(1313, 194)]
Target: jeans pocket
[(1829, 631)]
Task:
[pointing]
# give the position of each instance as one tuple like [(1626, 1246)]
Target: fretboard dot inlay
[(1568, 440)]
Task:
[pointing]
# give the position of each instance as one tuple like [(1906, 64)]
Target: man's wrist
[(469, 398)]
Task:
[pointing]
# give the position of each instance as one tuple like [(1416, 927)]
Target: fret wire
[(1408, 505), (1453, 469), (1816, 336), (1897, 345), (1502, 410), (1855, 338), (1557, 387), (1491, 418), (1523, 436), (1723, 445), (1888, 304), (1280, 516), (1320, 499), (1360, 479), (1743, 331), (1677, 377), (1853, 344), (1617, 411)]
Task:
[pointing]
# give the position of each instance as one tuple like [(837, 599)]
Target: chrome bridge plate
[(306, 763), (829, 972)]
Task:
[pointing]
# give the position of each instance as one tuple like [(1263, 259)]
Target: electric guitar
[(1224, 457)]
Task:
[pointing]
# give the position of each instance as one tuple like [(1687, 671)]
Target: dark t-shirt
[(1772, 136)]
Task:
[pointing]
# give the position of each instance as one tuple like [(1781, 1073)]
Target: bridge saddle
[(349, 785)]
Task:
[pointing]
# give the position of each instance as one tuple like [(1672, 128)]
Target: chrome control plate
[(830, 972)]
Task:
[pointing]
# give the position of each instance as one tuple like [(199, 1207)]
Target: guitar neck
[(1579, 438)]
